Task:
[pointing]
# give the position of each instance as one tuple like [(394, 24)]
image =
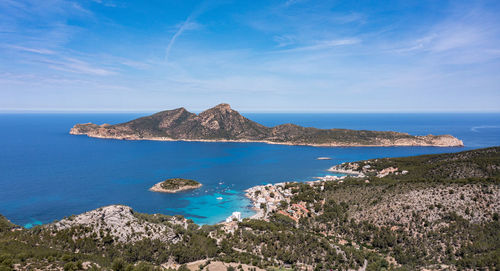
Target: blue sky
[(275, 55)]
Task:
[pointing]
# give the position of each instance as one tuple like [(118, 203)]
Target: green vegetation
[(5, 224), (176, 183), (444, 211), (476, 164)]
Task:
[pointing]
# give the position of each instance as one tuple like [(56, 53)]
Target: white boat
[(219, 198)]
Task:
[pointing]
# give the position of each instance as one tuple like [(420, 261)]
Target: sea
[(47, 174)]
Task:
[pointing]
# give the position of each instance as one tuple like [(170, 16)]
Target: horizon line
[(149, 111)]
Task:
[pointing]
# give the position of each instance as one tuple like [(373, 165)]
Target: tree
[(118, 264)]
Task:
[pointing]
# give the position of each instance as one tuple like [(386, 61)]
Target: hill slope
[(221, 123)]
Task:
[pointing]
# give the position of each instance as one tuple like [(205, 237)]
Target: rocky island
[(175, 185), (223, 124)]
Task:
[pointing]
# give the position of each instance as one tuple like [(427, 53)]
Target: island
[(175, 185), (223, 124)]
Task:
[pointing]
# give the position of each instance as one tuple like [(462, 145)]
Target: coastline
[(157, 188), (135, 138), (264, 203), (259, 213), (352, 173)]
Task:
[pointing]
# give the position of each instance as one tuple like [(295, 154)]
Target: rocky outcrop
[(221, 123), (122, 224)]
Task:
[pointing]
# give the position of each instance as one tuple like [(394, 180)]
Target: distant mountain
[(221, 123)]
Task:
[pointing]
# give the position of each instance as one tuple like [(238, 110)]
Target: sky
[(258, 56)]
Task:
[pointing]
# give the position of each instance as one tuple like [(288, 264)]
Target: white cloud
[(322, 45), (105, 3), (41, 51), (466, 36), (79, 66), (285, 40), (188, 24), (293, 2)]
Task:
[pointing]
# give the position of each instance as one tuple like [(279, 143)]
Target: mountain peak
[(223, 106), (180, 109), (220, 109)]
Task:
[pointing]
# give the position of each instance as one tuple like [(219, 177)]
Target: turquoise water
[(47, 174)]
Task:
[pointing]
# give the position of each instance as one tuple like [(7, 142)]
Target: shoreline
[(352, 173), (266, 142), (157, 188), (259, 213), (282, 193)]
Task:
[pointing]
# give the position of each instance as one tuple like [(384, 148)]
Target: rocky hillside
[(120, 224), (481, 163), (412, 210), (221, 123)]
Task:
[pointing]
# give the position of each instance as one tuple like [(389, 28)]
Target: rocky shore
[(348, 171), (420, 141), (364, 168)]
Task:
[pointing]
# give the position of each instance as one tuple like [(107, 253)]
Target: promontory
[(175, 185), (223, 124)]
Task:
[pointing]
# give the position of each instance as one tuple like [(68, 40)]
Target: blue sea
[(47, 174)]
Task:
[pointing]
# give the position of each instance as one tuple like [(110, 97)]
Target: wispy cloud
[(74, 65), (477, 128), (44, 46), (47, 20), (466, 36), (105, 3), (322, 45), (188, 24), (31, 50), (135, 64), (293, 2), (350, 17), (285, 40)]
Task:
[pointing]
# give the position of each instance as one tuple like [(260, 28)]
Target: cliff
[(221, 123)]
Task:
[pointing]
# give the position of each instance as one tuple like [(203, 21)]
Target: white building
[(235, 215)]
